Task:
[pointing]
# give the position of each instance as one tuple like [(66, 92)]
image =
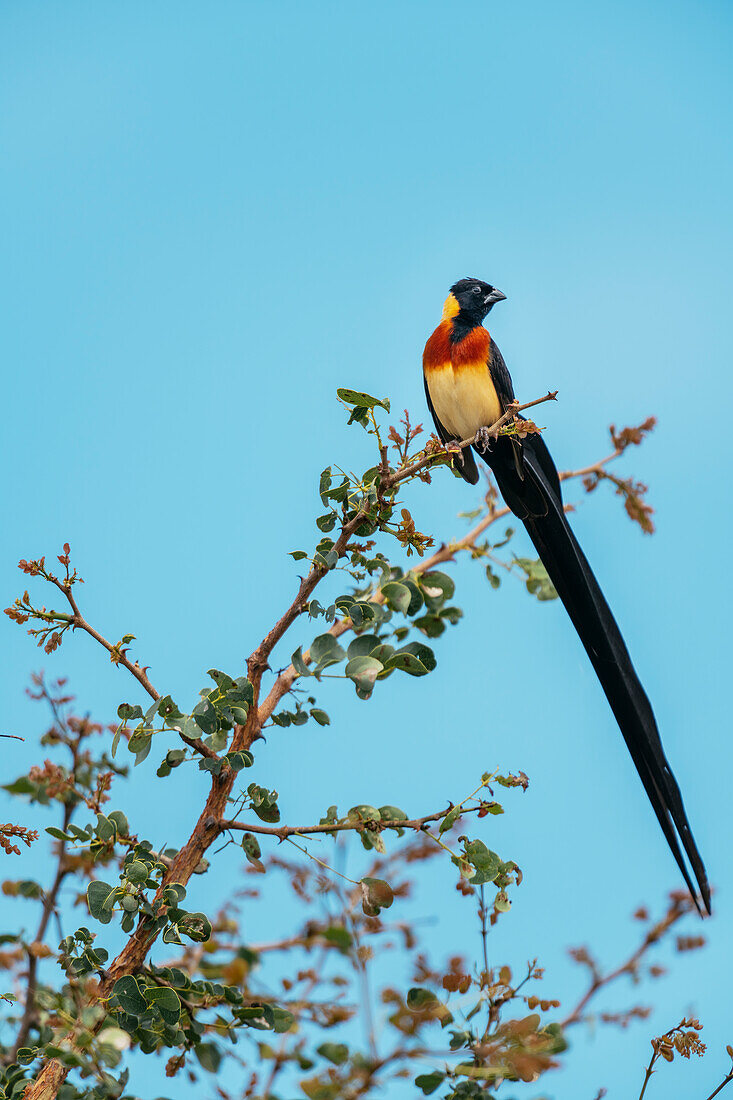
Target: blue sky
[(215, 214)]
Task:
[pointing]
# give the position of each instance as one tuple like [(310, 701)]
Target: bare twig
[(680, 906), (726, 1081), (78, 622)]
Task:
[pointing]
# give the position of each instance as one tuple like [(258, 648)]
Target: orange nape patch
[(451, 308)]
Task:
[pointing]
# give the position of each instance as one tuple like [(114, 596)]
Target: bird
[(468, 389)]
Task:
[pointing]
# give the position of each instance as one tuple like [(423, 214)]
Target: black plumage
[(529, 483)]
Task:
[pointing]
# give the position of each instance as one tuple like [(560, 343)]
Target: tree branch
[(680, 906), (211, 820), (119, 657), (283, 832)]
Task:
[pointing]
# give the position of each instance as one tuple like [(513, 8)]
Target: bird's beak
[(494, 297)]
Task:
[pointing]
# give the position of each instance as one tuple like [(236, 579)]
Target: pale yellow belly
[(465, 399)]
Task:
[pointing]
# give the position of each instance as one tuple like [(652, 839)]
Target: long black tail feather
[(535, 499)]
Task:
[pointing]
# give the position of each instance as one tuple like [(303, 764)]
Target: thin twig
[(78, 622), (726, 1080), (284, 832), (679, 908), (649, 1071)]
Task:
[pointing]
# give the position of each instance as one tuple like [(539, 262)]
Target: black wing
[(500, 375)]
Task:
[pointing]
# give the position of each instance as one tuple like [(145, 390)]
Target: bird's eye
[(476, 289)]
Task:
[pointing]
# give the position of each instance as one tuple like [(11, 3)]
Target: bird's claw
[(484, 438)]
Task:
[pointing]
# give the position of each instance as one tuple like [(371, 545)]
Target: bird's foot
[(484, 438), (452, 446)]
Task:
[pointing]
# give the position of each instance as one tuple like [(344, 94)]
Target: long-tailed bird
[(468, 388)]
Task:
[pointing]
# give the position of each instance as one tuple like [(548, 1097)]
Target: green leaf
[(283, 1020), (392, 813), (364, 812), (423, 653), (405, 662), (209, 1056), (417, 597), (325, 483), (168, 710), (538, 582), (336, 1053), (205, 717), (239, 759), (97, 894), (361, 612), (128, 713), (57, 834), (502, 903), (223, 680), (486, 862), (325, 651), (450, 819), (452, 614), (326, 522), (105, 829), (419, 999), (298, 663), (397, 596), (363, 646), (320, 716), (22, 785), (494, 580), (340, 937), (166, 1000), (298, 555), (210, 765), (364, 671), (252, 850), (120, 821), (340, 493), (196, 926), (25, 1055), (127, 993), (331, 816), (136, 872), (436, 588), (432, 626), (361, 400), (259, 1016), (268, 811), (429, 1082)]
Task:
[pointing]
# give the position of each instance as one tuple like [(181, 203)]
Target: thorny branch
[(211, 820)]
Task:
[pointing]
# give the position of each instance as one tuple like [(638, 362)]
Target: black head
[(475, 298)]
